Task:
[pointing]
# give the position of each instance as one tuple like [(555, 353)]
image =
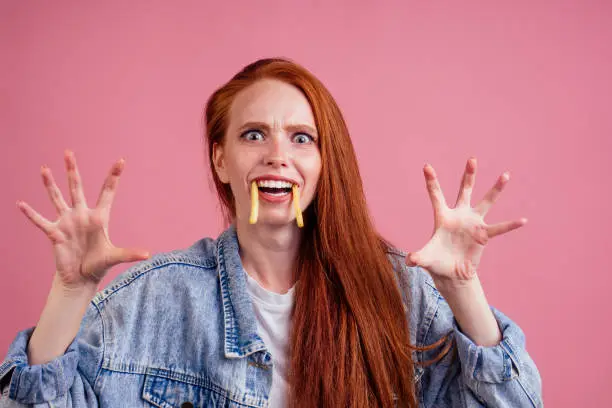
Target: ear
[(219, 162)]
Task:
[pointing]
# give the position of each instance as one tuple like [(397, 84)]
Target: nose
[(277, 155)]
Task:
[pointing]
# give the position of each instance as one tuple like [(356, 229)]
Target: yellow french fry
[(254, 203), (296, 206)]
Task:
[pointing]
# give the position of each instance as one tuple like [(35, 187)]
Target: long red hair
[(350, 342)]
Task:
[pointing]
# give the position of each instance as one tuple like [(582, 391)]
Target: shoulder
[(165, 267), (159, 308), (413, 280), (425, 307)]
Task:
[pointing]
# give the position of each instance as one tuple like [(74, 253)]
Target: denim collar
[(241, 338)]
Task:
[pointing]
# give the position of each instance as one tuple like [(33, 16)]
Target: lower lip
[(274, 198)]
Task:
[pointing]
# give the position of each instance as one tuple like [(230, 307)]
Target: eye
[(252, 135), (302, 138)]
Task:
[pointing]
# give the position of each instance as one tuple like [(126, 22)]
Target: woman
[(272, 313)]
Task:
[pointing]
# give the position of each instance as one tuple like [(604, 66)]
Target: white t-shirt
[(272, 311)]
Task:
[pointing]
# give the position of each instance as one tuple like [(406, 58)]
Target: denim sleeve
[(66, 381), (503, 375), (468, 375)]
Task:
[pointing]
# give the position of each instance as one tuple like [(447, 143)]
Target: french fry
[(254, 203), (296, 206)]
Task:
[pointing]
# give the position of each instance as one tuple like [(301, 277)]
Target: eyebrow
[(290, 128)]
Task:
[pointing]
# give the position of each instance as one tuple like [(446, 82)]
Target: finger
[(107, 194), (480, 234), (503, 227), (465, 270), (121, 255), (433, 188), (74, 180), (54, 192), (467, 183), (419, 258), (491, 197), (41, 222), (412, 259)]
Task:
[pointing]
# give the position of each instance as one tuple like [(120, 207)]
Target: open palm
[(82, 249), (460, 233)]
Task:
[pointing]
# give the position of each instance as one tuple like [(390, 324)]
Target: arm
[(59, 322), (64, 381), (470, 375), (42, 366), (495, 365), (497, 375), (471, 310), (489, 345)]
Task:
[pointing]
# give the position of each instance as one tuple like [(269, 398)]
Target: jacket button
[(187, 404)]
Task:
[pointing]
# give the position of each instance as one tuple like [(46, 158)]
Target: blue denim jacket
[(179, 327)]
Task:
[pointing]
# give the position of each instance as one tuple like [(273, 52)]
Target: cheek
[(237, 172), (240, 165), (316, 167), (312, 172)]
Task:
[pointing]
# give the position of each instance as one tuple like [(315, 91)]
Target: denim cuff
[(494, 364), (37, 384)]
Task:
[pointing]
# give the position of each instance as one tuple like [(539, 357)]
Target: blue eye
[(302, 138), (252, 135)]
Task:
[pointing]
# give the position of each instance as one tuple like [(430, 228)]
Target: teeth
[(274, 184)]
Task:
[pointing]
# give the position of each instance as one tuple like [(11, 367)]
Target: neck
[(268, 254)]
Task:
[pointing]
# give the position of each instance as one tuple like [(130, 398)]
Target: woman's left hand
[(453, 253)]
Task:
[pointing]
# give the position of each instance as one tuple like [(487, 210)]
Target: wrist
[(82, 291), (450, 285), (471, 310), (59, 321)]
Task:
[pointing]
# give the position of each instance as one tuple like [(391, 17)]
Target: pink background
[(523, 86)]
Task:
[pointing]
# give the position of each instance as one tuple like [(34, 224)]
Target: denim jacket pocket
[(170, 389)]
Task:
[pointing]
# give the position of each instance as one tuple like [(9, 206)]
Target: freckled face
[(271, 132)]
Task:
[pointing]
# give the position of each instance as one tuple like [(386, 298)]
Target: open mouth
[(274, 187), (275, 191)]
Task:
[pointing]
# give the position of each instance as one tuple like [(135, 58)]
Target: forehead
[(271, 101)]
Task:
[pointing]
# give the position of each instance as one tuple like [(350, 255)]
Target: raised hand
[(82, 249), (460, 233)]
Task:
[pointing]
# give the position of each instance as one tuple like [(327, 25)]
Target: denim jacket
[(179, 330)]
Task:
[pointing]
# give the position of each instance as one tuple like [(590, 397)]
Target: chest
[(174, 356)]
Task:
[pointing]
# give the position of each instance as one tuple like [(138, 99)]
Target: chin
[(275, 221)]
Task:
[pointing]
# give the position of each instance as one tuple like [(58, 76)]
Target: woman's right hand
[(81, 245)]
